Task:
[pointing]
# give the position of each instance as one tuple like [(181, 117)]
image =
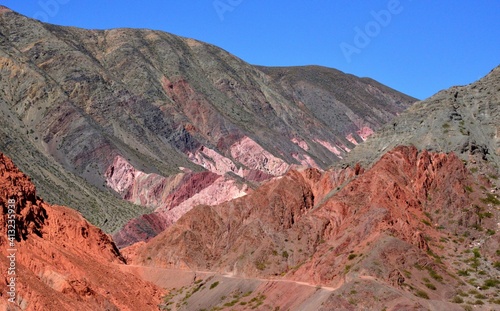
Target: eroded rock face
[(170, 197), (390, 198), (275, 208), (250, 161), (178, 203), (372, 235), (306, 225), (61, 261), (253, 156), (153, 190)]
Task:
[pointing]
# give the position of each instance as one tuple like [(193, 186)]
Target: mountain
[(353, 106), (56, 260), (415, 231), (412, 228), (463, 119), (234, 186), (101, 119)]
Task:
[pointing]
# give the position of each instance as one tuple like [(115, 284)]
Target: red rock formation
[(240, 227), (389, 199), (313, 221), (61, 261)]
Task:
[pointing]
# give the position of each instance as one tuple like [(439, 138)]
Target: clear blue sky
[(415, 46)]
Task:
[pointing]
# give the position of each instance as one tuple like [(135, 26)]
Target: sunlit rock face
[(62, 262)]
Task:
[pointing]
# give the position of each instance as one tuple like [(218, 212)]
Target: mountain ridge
[(463, 118), (79, 105)]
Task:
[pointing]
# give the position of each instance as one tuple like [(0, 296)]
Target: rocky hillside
[(101, 118), (56, 260), (462, 119), (410, 229), (338, 99), (417, 230)]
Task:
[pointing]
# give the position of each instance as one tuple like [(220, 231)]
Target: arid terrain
[(61, 261), (102, 119), (196, 181)]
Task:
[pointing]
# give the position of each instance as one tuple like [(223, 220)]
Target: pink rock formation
[(301, 143), (305, 160), (365, 132), (213, 161), (329, 146), (253, 156), (221, 190), (153, 190), (351, 139)]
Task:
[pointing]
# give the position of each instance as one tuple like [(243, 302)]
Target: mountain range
[(102, 118), (207, 183)]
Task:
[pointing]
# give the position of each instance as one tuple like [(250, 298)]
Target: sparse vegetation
[(434, 275), (496, 265), (352, 301), (231, 303), (430, 286), (422, 294), (490, 199), (491, 283), (462, 293), (494, 301), (426, 222), (214, 284), (457, 299), (257, 301), (486, 215), (480, 296), (495, 177), (407, 274)]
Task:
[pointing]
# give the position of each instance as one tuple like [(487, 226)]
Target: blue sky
[(415, 46)]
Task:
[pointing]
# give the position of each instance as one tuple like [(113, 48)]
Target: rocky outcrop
[(153, 190), (60, 261), (253, 156)]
